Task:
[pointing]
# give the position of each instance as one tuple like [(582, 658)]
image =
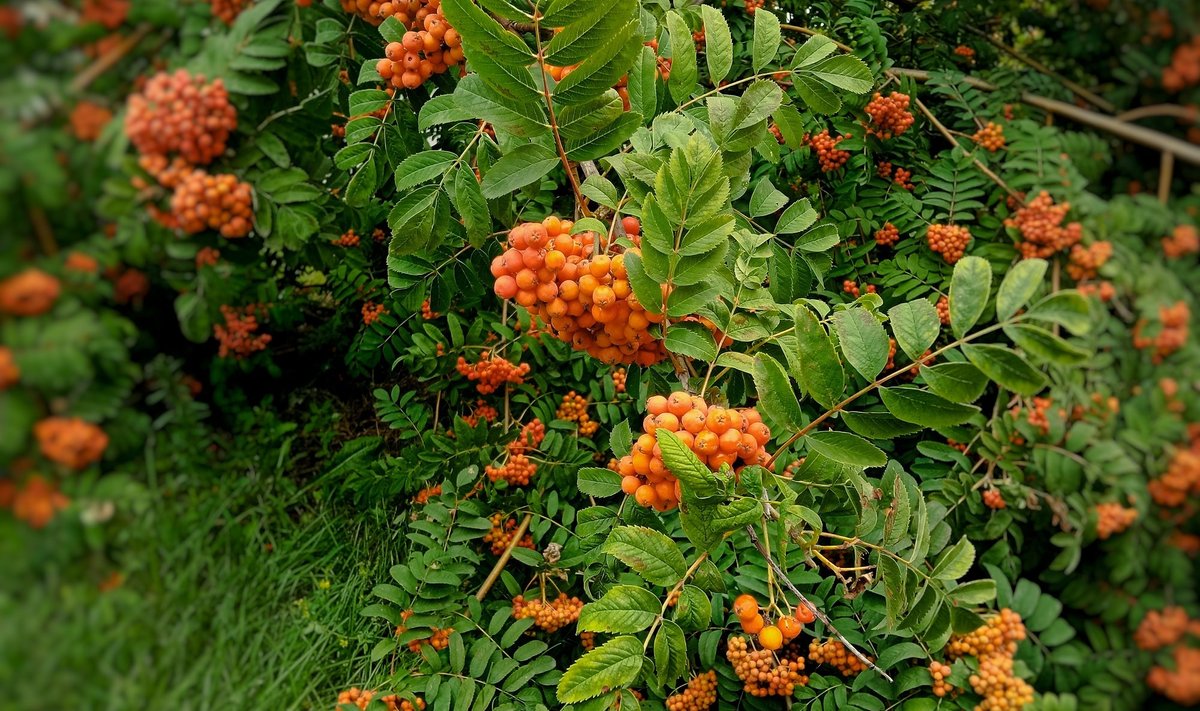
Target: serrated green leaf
[(775, 394), (846, 448), (957, 382), (718, 45), (766, 39), (594, 481), (919, 407), (814, 361), (915, 325), (518, 168), (1005, 367), (863, 341), (613, 665), (624, 609), (969, 289), (1018, 286), (649, 553), (955, 562)]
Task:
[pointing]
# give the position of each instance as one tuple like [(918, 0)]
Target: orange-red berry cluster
[(990, 137), (238, 336), (424, 495), (518, 468), (1181, 480), (887, 235), (80, 262), (1103, 290), (431, 46), (901, 177), (88, 119), (35, 502), (833, 653), (110, 13), (10, 372), (1162, 628), (1172, 335), (890, 116), (217, 202), (963, 50), (574, 409), (30, 292), (950, 241), (584, 297), (482, 411), (763, 672), (502, 533), (228, 10), (1041, 226), (619, 376), (851, 287), (207, 257), (349, 238), (1180, 683), (993, 499), (70, 441), (1086, 261), (490, 372), (752, 6), (828, 154), (392, 702), (181, 113), (994, 645), (550, 616), (371, 312), (1184, 70), (939, 672), (717, 435), (130, 286), (1113, 518), (427, 312), (943, 310), (1037, 415), (1183, 240), (700, 694), (439, 638)]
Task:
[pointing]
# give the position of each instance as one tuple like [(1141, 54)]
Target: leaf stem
[(667, 601), (562, 153)]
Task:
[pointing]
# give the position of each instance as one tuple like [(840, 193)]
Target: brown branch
[(1165, 172), (782, 575), (1183, 113), (1134, 134), (813, 33), (1081, 92), (106, 61), (499, 566), (954, 141)]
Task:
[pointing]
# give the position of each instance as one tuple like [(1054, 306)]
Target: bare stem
[(499, 566)]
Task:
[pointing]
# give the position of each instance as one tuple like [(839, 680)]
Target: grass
[(241, 589)]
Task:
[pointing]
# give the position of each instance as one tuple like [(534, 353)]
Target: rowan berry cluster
[(30, 292), (207, 257), (1180, 683), (1172, 335), (181, 113), (833, 653), (943, 310), (10, 372), (1041, 226), (238, 336), (1181, 480), (994, 645), (587, 640), (110, 13), (217, 202), (1113, 518), (890, 116), (1183, 240), (887, 235), (851, 287), (939, 672), (428, 313), (964, 51), (167, 172), (490, 372), (482, 411), (1086, 261), (828, 154), (349, 238), (371, 312), (990, 137), (518, 469), (1184, 70), (993, 499), (392, 702), (789, 472), (228, 10), (37, 501), (424, 495), (80, 262), (574, 409), (502, 533), (950, 241), (1103, 290), (1037, 415), (752, 6), (771, 636), (439, 640), (431, 46), (700, 694), (619, 378), (1159, 629), (717, 435), (999, 635), (763, 672), (70, 441), (901, 177), (130, 286), (583, 297), (88, 119), (550, 616)]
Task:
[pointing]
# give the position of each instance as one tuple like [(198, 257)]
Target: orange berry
[(656, 404), (745, 606), (630, 484), (754, 625), (646, 495), (790, 627), (770, 637)]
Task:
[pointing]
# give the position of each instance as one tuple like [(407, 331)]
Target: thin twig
[(1165, 173), (1183, 113), (499, 566), (813, 33), (954, 141), (782, 575), (1089, 96)]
